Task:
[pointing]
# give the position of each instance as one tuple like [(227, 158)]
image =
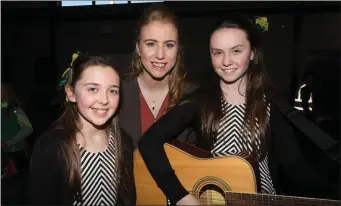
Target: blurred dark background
[(39, 38)]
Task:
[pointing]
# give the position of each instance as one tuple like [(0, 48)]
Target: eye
[(93, 90), (216, 53), (169, 45), (114, 92), (236, 51), (150, 44)]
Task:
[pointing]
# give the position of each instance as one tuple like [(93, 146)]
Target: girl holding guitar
[(234, 115)]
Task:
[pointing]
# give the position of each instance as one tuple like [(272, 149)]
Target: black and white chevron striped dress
[(229, 140), (98, 176)]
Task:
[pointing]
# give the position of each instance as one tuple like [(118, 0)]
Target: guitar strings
[(263, 198)]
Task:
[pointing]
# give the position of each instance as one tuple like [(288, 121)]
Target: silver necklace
[(147, 90)]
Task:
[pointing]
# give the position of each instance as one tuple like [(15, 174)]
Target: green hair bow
[(262, 23), (63, 82)]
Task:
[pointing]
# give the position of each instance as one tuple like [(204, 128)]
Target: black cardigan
[(47, 183), (291, 172)]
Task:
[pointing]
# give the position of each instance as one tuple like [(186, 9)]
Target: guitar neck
[(266, 199)]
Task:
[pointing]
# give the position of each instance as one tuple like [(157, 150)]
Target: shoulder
[(18, 110), (129, 82), (50, 143), (194, 96), (187, 105), (129, 89), (275, 95), (189, 87)]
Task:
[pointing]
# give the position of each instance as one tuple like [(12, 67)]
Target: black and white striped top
[(229, 140), (98, 176)]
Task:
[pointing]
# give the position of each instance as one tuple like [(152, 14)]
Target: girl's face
[(230, 54), (96, 95), (158, 48)]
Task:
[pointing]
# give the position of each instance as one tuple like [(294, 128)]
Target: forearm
[(152, 151), (160, 169)]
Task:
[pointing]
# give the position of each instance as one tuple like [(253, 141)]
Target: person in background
[(234, 115), (85, 159), (15, 128), (157, 79)]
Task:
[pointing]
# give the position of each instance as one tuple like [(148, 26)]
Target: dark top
[(130, 111), (47, 183), (147, 117), (291, 171)]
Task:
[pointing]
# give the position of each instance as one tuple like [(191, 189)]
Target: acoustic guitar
[(212, 180)]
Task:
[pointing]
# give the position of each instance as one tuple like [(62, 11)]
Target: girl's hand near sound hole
[(188, 200)]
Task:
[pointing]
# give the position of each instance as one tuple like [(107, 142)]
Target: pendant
[(153, 108)]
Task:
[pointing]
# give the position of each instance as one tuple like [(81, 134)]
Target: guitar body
[(210, 176), (212, 180)]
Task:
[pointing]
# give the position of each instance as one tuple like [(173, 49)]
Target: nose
[(104, 98), (227, 61), (160, 53)]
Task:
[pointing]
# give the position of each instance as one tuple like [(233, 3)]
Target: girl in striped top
[(86, 159)]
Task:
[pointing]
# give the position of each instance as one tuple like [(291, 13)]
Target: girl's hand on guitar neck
[(188, 200)]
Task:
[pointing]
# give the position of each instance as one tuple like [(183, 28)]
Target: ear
[(252, 55), (69, 93), (137, 48)]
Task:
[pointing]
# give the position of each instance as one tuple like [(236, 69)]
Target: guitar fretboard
[(244, 199)]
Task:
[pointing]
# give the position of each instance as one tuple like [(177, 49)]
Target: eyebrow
[(239, 45), (167, 41), (96, 84)]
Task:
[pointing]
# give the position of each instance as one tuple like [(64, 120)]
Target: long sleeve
[(44, 183), (152, 151), (26, 128)]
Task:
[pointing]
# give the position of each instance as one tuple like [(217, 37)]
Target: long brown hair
[(69, 119), (177, 77), (257, 87)]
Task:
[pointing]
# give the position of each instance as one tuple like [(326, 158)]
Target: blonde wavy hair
[(177, 77)]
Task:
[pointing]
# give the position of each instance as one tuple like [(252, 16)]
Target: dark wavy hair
[(69, 119), (257, 86)]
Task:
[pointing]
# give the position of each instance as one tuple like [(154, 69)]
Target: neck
[(91, 133), (153, 84), (234, 93)]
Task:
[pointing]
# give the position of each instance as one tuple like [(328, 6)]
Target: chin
[(229, 79), (232, 79), (99, 125), (159, 75), (99, 122)]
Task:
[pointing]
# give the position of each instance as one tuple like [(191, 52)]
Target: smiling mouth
[(159, 65), (100, 112), (229, 70)]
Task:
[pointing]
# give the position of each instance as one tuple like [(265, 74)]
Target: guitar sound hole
[(212, 195)]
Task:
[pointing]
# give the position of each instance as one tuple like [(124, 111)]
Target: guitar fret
[(274, 200)]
